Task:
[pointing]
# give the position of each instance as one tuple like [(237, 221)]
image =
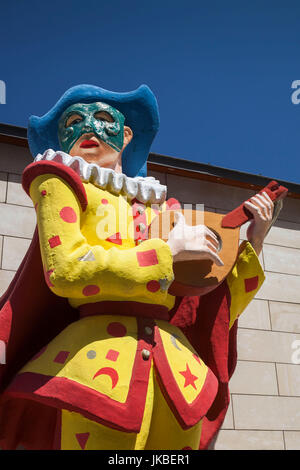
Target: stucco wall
[(264, 412)]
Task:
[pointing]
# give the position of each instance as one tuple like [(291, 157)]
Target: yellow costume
[(122, 370)]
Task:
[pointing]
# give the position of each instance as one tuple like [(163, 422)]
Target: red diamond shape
[(251, 283), (147, 258), (61, 357), (54, 241), (112, 355)]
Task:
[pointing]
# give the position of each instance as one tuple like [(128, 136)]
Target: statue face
[(100, 119)]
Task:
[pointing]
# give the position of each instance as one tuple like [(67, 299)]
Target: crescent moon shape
[(113, 374), (174, 342)]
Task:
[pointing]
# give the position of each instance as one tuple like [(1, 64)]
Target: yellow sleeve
[(244, 281), (72, 266)]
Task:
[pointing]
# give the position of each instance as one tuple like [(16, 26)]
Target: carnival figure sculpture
[(100, 355)]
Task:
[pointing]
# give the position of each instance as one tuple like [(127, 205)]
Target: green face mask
[(111, 133)]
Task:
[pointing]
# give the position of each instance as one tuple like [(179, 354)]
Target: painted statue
[(99, 353)]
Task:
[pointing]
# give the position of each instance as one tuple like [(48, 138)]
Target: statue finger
[(259, 200), (255, 210)]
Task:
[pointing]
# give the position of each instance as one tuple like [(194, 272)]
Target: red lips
[(89, 144)]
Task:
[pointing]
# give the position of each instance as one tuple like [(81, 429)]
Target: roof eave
[(16, 135)]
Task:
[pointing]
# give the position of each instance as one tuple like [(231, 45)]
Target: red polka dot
[(153, 286), (90, 290), (104, 201), (173, 204), (44, 192), (68, 214), (116, 329)]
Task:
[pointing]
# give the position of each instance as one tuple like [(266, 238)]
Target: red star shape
[(189, 377)]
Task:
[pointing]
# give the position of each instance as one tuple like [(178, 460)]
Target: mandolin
[(193, 275)]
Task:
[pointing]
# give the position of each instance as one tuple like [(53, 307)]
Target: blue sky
[(221, 70)]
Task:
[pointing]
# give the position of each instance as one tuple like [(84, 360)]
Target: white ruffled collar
[(146, 190)]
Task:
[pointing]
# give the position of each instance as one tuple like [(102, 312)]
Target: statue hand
[(262, 209), (197, 238)]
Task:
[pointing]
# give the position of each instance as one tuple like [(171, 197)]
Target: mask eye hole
[(103, 116), (73, 119)]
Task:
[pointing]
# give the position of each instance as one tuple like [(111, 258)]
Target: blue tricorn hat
[(139, 108)]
